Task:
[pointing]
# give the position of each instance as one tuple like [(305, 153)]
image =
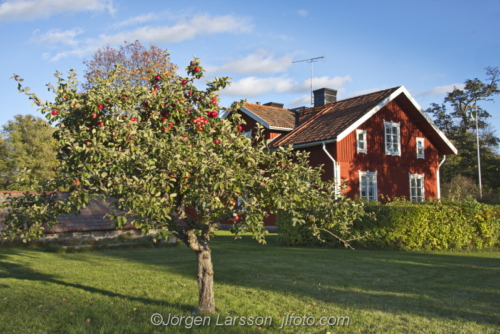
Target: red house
[(382, 143)]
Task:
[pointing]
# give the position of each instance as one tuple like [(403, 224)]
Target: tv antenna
[(310, 61)]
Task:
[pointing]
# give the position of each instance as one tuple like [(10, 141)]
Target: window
[(361, 141), (368, 185), (247, 134), (392, 145), (420, 148), (417, 187)]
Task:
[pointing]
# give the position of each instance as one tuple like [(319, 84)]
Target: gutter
[(315, 143), (439, 179), (336, 168)]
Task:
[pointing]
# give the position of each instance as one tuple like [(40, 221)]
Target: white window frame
[(415, 179), (360, 149), (364, 185), (420, 153), (392, 139)]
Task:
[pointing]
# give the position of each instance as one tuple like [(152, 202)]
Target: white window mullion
[(368, 185), (417, 187), (392, 138), (361, 141), (420, 148)]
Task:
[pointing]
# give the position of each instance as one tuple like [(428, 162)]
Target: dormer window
[(392, 138), (361, 141), (420, 148)]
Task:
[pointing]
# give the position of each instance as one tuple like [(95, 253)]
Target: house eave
[(315, 143)]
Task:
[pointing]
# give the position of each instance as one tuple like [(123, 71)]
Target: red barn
[(382, 143)]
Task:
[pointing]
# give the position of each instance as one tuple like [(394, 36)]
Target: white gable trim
[(400, 90), (261, 121)]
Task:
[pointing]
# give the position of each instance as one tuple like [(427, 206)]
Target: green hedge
[(412, 226)]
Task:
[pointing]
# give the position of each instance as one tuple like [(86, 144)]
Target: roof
[(270, 117), (334, 121), (91, 218)]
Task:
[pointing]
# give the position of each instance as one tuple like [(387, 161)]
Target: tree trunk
[(206, 302)]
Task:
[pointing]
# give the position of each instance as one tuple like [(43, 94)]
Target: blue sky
[(427, 46)]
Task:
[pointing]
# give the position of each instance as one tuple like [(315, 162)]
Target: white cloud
[(56, 36), (259, 62), (254, 86), (138, 20), (442, 90), (304, 100), (184, 29), (303, 12), (30, 9), (326, 82)]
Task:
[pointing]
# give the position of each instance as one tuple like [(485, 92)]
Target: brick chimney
[(324, 96)]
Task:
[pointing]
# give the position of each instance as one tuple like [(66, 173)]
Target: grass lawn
[(117, 291)]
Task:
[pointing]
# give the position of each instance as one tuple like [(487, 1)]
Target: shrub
[(405, 225)]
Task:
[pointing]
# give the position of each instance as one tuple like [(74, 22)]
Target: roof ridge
[(378, 91), (350, 98), (312, 118), (261, 105)]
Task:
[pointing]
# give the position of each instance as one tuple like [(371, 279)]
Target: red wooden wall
[(392, 171)]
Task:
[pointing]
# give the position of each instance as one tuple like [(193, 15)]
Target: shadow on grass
[(449, 286), (21, 272), (432, 285)]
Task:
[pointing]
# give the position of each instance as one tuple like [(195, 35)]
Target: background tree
[(174, 167), (138, 63), (459, 125), (27, 153)]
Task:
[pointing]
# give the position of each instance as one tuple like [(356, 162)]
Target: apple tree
[(173, 166), (138, 63)]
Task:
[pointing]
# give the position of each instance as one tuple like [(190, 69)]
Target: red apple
[(156, 87), (158, 77), (101, 124), (163, 119), (217, 142), (237, 218), (101, 107), (94, 115), (133, 119), (240, 128), (196, 69), (184, 82), (54, 112)]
